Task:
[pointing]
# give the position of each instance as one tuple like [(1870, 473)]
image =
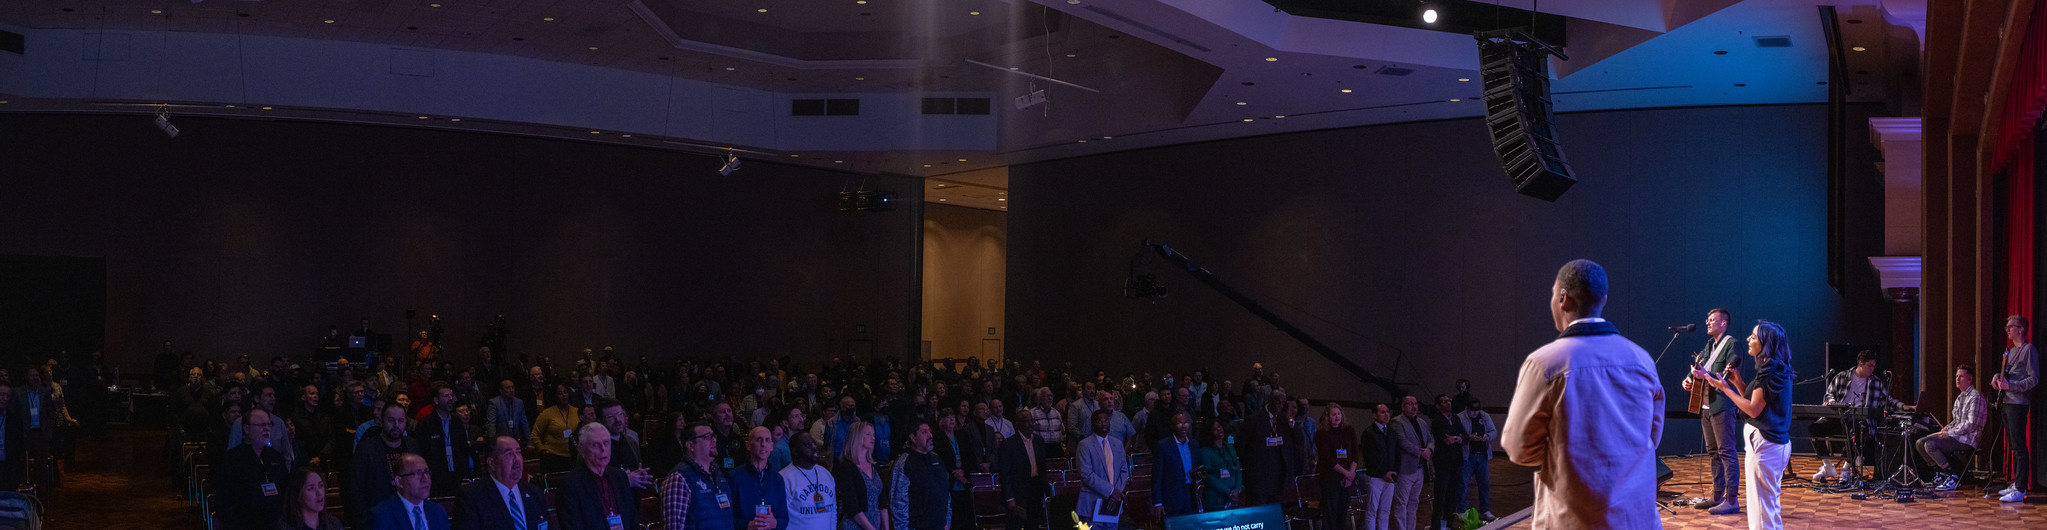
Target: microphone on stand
[(1687, 328)]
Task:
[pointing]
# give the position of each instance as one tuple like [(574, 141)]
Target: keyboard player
[(1861, 388)]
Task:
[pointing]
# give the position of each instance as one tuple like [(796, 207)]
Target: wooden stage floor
[(1804, 507)]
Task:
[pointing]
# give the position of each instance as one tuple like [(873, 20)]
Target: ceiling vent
[(1776, 41), (1394, 70)]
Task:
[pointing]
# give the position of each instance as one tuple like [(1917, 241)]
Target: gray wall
[(1404, 246)]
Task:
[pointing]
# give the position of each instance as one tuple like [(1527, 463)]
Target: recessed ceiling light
[(433, 5), (1280, 117), (1456, 99), (1074, 2), (328, 21), (454, 119), (729, 68), (1346, 91), (929, 165), (1069, 55), (626, 135), (156, 11), (230, 106), (859, 79), (1429, 16), (1243, 103), (1247, 119), (1463, 79), (1000, 199), (1083, 141), (975, 13), (1108, 137), (861, 2), (549, 19), (963, 160), (1271, 59), (596, 132), (838, 161), (593, 48), (1859, 49), (761, 10), (1001, 193), (422, 117), (794, 156), (941, 200), (266, 108)]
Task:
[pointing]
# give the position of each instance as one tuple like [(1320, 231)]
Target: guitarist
[(1717, 416)]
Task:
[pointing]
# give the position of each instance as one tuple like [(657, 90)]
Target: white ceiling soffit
[(661, 18)]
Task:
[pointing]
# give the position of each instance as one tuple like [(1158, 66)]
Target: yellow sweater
[(554, 431)]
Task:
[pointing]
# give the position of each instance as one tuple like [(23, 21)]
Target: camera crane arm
[(1209, 278)]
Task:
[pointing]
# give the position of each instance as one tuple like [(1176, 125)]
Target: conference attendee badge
[(1222, 473), (817, 497), (762, 509), (543, 525), (615, 522), (728, 462), (269, 489), (1273, 441), (568, 433), (723, 501), (1343, 453)]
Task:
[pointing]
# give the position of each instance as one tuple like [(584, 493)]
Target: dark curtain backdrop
[(1406, 248), (250, 237)]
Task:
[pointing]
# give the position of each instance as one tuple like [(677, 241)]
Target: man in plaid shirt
[(696, 496), (1960, 435), (1047, 423), (1860, 388)]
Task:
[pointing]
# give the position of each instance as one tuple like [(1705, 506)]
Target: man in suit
[(1588, 411), (251, 477), (596, 495), (369, 477), (1448, 462), (409, 509), (446, 442), (1263, 447), (503, 500), (1104, 474), (1378, 462), (1172, 468), (1018, 464), (1411, 433), (1717, 420)]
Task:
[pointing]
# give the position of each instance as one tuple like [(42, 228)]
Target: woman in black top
[(305, 502), (1767, 403)]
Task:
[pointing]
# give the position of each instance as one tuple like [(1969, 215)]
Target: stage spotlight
[(731, 165), (163, 123), (1428, 15)]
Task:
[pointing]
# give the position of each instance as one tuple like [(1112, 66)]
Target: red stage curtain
[(2013, 155)]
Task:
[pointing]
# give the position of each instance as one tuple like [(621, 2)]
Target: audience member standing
[(1264, 451), (862, 507), (811, 490), (251, 478), (758, 493), (1223, 484), (918, 500), (1588, 411), (408, 509), (696, 494), (1020, 466), (1172, 472), (596, 496), (1104, 474), (1478, 471), (369, 477), (503, 500), (554, 432), (1336, 447), (446, 442), (1447, 462), (1379, 462), (506, 414), (1411, 433)]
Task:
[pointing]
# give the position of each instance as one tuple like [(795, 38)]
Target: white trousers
[(1407, 497), (1763, 471), (1378, 502)]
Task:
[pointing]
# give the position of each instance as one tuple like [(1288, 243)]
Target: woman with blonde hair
[(1767, 403), (858, 482)]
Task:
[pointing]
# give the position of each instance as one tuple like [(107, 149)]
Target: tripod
[(1905, 479)]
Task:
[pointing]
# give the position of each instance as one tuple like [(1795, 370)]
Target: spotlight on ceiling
[(731, 165), (163, 123), (1428, 15)]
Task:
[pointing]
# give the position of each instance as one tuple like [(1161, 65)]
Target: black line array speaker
[(1518, 114)]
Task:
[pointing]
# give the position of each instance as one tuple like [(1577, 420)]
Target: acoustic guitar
[(1701, 392)]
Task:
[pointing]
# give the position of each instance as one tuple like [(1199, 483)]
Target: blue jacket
[(750, 488), (1169, 486), (390, 515)]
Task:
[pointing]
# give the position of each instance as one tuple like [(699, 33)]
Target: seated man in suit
[(596, 495), (1172, 469), (1104, 474), (502, 500), (409, 509), (1022, 471)]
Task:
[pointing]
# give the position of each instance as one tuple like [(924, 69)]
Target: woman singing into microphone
[(1767, 403)]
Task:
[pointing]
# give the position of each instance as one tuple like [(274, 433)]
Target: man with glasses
[(503, 500), (696, 494), (251, 476), (409, 510)]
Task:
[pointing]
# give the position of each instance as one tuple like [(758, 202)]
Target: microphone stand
[(1666, 347)]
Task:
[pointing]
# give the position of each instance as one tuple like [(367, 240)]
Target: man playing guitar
[(1716, 415)]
